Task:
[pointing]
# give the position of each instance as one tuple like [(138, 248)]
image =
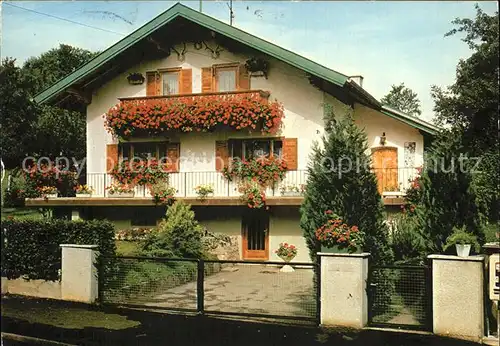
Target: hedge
[(30, 248)]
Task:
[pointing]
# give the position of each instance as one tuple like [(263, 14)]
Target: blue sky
[(386, 42)]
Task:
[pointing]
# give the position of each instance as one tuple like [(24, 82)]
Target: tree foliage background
[(31, 129), (469, 107), (404, 99)]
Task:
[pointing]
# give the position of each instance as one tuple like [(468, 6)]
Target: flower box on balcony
[(392, 193), (121, 194), (50, 195), (240, 110), (83, 195), (291, 194)]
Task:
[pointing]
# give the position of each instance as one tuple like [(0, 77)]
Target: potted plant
[(463, 242), (335, 236), (392, 190), (162, 193), (120, 190), (286, 252), (48, 191), (135, 78), (204, 190), (255, 65), (83, 191), (291, 190), (252, 193)]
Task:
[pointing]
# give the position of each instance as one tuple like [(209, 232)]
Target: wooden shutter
[(290, 152), (206, 79), (243, 78), (186, 81), (221, 155), (111, 156), (153, 84), (173, 155)]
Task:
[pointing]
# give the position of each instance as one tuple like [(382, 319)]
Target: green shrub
[(30, 248), (407, 243), (179, 235)]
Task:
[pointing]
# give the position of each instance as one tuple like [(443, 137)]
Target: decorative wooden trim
[(263, 94)]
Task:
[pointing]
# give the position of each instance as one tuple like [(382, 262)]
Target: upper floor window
[(170, 82), (225, 78), (248, 149)]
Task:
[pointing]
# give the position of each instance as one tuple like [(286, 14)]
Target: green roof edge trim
[(206, 21), (410, 120)]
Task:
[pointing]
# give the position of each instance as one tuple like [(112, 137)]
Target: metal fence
[(239, 288), (401, 296)]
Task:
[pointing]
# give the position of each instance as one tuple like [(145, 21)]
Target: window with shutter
[(186, 81), (206, 79), (173, 155), (170, 83), (243, 78), (111, 156), (221, 155), (152, 84), (290, 152)]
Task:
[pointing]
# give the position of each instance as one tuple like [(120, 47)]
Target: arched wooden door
[(385, 165)]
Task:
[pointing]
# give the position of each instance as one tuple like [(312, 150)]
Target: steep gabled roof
[(205, 21), (101, 61), (410, 120)]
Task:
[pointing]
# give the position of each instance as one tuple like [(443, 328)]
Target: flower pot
[(463, 250), (50, 195), (121, 194), (287, 268), (291, 194), (83, 195), (336, 249)]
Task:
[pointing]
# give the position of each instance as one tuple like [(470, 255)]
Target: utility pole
[(231, 14)]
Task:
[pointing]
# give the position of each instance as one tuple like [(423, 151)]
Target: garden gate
[(400, 297), (216, 287)]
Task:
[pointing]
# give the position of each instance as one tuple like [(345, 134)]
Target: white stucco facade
[(304, 112)]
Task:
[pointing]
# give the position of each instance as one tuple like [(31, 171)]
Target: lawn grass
[(127, 248), (22, 213), (58, 315)]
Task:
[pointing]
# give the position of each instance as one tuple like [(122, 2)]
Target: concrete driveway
[(245, 288)]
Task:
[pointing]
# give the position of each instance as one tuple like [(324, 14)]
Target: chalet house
[(185, 57)]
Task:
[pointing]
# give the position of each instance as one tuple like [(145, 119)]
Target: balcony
[(205, 112), (392, 184)]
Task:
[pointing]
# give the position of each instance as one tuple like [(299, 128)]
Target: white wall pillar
[(344, 300), (79, 273), (458, 296)]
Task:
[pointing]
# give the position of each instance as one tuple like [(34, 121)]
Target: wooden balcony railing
[(215, 95)]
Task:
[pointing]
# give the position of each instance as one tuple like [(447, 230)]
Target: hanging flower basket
[(136, 78)]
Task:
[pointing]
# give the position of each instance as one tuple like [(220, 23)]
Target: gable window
[(248, 149), (170, 83), (225, 78)]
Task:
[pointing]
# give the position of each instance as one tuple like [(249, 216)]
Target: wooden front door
[(255, 238), (385, 165)]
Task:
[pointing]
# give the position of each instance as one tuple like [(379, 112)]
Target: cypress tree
[(340, 180)]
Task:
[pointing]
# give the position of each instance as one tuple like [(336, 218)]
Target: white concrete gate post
[(79, 281), (344, 299)]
